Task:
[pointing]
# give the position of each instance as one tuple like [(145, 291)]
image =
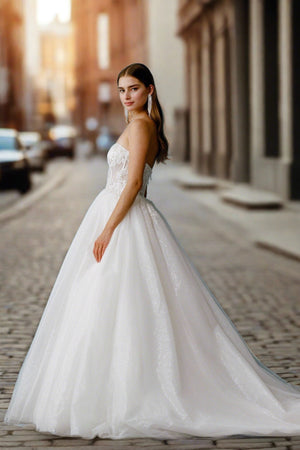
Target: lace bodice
[(117, 158)]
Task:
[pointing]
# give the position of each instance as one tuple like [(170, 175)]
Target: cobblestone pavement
[(8, 197), (259, 291)]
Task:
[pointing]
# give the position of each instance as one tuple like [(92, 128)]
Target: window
[(103, 40)]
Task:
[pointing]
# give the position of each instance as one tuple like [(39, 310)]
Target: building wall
[(127, 31), (56, 81), (207, 31), (11, 64), (166, 58), (31, 64), (275, 142), (241, 71)]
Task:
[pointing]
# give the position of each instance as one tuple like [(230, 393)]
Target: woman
[(132, 343)]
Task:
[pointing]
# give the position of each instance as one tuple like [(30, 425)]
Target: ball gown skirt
[(137, 345)]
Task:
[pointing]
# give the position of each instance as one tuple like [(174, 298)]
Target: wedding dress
[(137, 346)]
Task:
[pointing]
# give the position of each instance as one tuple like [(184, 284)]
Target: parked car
[(36, 149), (63, 141), (14, 165)]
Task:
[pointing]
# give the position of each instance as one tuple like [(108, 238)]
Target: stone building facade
[(165, 60), (241, 71), (11, 63), (109, 34)]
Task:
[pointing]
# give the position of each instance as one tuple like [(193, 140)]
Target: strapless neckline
[(124, 148)]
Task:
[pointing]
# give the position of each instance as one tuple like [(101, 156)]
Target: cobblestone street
[(258, 289)]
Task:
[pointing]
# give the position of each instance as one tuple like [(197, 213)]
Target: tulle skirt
[(137, 346)]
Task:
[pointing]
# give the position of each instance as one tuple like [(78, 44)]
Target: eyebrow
[(121, 87)]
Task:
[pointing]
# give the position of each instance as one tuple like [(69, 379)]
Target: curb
[(272, 247), (27, 202), (265, 243)]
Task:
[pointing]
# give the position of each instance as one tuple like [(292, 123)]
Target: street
[(258, 289)]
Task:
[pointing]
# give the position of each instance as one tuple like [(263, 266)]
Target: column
[(285, 90), (194, 102), (222, 97), (295, 166), (206, 100), (240, 91), (257, 110)]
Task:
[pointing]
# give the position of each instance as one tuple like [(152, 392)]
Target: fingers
[(99, 249), (103, 250), (95, 251), (100, 252)]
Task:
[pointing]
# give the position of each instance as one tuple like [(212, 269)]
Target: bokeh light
[(47, 10)]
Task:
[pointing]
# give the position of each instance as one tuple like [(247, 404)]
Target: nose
[(127, 95)]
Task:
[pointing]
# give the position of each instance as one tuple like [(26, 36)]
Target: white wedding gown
[(137, 346)]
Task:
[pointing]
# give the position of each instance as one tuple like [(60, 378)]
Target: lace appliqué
[(117, 158)]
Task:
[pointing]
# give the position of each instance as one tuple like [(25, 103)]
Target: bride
[(131, 342)]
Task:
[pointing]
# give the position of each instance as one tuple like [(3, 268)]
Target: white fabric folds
[(137, 345)]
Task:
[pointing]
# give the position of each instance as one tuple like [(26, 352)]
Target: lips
[(128, 104)]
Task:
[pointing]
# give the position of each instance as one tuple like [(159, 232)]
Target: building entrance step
[(187, 179), (248, 197)]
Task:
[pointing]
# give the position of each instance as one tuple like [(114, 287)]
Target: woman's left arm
[(139, 134)]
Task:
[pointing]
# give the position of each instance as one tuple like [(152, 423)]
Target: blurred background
[(226, 73)]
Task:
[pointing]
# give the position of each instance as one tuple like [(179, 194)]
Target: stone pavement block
[(123, 446), (6, 427), (24, 437), (10, 444), (137, 443), (146, 442), (27, 427), (249, 440), (4, 403), (191, 441), (85, 447), (246, 445), (71, 441), (190, 447), (31, 433), (283, 448), (38, 444)]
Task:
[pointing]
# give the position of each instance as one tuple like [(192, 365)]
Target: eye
[(135, 88)]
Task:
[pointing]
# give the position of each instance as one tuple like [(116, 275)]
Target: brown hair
[(143, 74)]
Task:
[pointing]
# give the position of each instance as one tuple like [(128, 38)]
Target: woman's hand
[(101, 243)]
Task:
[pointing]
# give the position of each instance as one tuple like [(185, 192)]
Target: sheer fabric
[(137, 345)]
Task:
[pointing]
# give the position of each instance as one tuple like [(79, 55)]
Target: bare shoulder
[(142, 126)]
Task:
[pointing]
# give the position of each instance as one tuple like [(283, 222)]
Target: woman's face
[(133, 93)]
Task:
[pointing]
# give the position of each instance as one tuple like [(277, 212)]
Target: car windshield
[(29, 138), (8, 143)]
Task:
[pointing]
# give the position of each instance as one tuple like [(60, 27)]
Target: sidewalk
[(261, 220)]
